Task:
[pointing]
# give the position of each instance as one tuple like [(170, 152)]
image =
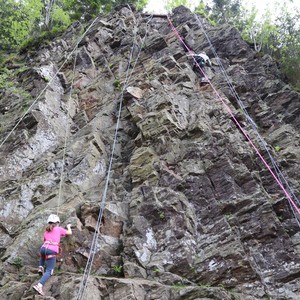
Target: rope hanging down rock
[(49, 82), (238, 124), (264, 144), (94, 244)]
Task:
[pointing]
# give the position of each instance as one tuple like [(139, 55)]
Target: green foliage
[(288, 24), (267, 296), (277, 148), (262, 33), (178, 286), (170, 4), (60, 17), (88, 9), (291, 67), (225, 11), (35, 41), (28, 19), (8, 76), (277, 36), (108, 5), (118, 269), (17, 21), (3, 79), (58, 271), (18, 262), (228, 216), (140, 4), (83, 9), (162, 215), (117, 84), (203, 10)]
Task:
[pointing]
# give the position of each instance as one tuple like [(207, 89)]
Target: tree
[(225, 11), (289, 44), (88, 9), (170, 4), (279, 37), (262, 33), (17, 21), (203, 10), (24, 19)]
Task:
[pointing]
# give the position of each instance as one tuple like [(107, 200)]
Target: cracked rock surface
[(191, 211)]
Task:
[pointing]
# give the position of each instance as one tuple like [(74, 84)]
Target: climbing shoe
[(39, 289), (41, 270)]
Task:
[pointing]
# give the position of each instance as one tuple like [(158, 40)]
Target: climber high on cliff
[(50, 249), (201, 61)]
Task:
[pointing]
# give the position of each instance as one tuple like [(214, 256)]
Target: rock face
[(191, 212)]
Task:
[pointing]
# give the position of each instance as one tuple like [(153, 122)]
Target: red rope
[(235, 120)]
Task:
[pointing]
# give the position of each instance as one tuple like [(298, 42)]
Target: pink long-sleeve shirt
[(53, 237)]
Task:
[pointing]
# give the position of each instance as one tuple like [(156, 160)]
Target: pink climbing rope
[(235, 120)]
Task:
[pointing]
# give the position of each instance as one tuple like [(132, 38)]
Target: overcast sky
[(157, 6)]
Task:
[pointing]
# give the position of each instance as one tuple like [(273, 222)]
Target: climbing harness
[(94, 244), (48, 256), (45, 245), (237, 122)]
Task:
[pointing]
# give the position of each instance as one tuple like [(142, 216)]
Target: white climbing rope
[(94, 245), (49, 82), (276, 168)]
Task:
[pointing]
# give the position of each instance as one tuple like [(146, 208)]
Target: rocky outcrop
[(190, 210)]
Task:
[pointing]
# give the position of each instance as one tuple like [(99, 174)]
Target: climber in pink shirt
[(50, 249)]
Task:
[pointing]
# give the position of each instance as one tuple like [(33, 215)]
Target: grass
[(4, 79), (117, 85), (162, 215), (58, 271), (118, 269), (178, 286), (18, 262), (277, 148), (41, 39)]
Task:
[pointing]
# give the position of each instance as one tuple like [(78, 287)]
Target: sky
[(157, 6)]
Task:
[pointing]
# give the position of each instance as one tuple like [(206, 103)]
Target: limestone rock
[(181, 204)]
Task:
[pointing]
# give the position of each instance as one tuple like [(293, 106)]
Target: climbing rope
[(47, 85), (67, 130), (276, 168), (94, 245), (235, 120)]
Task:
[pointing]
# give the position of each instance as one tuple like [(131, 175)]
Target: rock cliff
[(191, 212)]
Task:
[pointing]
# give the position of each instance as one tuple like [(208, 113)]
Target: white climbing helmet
[(53, 219)]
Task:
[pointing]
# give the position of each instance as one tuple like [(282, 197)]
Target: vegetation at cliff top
[(29, 19), (276, 32), (28, 23)]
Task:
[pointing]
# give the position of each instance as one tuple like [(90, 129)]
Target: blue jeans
[(50, 263)]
